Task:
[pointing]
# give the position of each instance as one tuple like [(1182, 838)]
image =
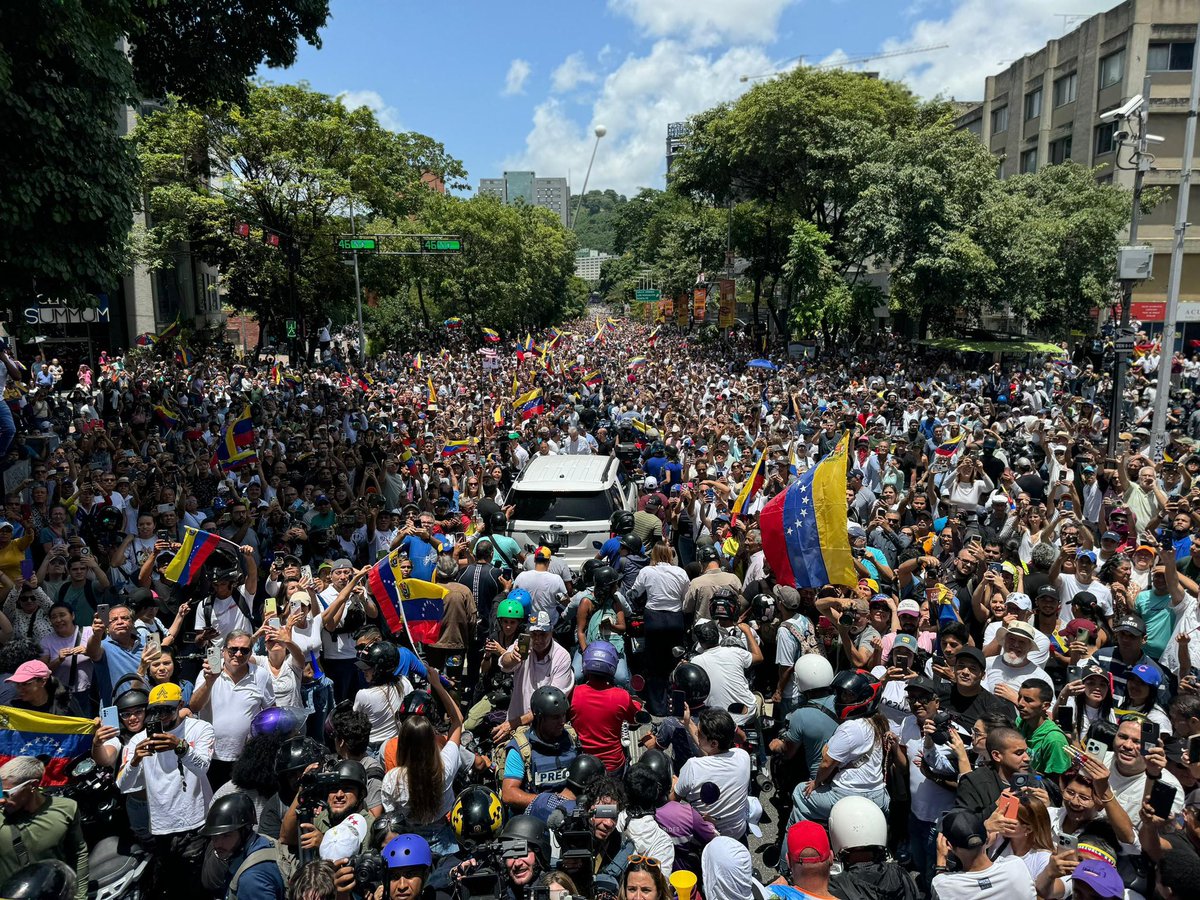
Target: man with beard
[(1012, 668)]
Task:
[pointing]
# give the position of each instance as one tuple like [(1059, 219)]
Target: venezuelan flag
[(167, 417), (276, 374), (57, 740), (193, 553), (492, 337), (654, 335), (453, 448), (639, 426), (950, 447), (637, 362), (498, 417), (417, 363), (793, 461), (751, 488), (184, 356), (611, 324), (530, 404), (804, 528), (516, 388), (146, 339), (169, 331), (409, 604), (453, 322), (236, 447), (593, 378), (293, 379), (407, 459)]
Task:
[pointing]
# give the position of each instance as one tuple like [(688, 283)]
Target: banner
[(666, 306), (699, 301), (728, 310), (681, 311)]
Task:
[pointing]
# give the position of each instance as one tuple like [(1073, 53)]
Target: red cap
[(808, 836)]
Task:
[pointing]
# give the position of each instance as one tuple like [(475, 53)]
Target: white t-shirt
[(859, 753), (224, 615), (730, 772), (395, 785), (1039, 655), (1006, 879), (726, 668), (231, 707), (287, 683), (1000, 672), (893, 700), (542, 587), (1130, 789), (1069, 586), (336, 646), (177, 802), (787, 649), (929, 799), (381, 703)]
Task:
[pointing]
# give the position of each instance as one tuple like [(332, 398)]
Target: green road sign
[(442, 245), (647, 295), (290, 325), (363, 244)]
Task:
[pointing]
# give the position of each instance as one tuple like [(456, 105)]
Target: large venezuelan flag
[(193, 553), (530, 404), (407, 604), (804, 528), (752, 486), (56, 740)]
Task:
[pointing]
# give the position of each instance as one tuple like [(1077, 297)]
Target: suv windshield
[(570, 506)]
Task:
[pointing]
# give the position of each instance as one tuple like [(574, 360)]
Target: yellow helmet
[(477, 814)]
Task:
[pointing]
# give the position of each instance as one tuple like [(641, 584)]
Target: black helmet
[(631, 543), (380, 655), (605, 576), (132, 699), (533, 831), (855, 694), (49, 879), (498, 522), (477, 814), (549, 701), (583, 769), (298, 754), (233, 812), (621, 522), (693, 681), (707, 633), (588, 570), (353, 771), (724, 603), (708, 554), (658, 763), (419, 703)]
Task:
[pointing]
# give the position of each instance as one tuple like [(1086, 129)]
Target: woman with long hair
[(1141, 696), (643, 880), (1090, 696), (385, 692), (1032, 840), (421, 787), (1086, 797), (64, 650), (162, 667)]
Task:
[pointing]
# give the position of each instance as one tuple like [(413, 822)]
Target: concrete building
[(676, 135), (549, 193), (588, 263), (1045, 109)]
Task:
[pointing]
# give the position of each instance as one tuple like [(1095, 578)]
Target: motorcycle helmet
[(498, 522), (723, 604), (549, 701), (132, 699), (658, 763), (49, 879), (277, 721), (297, 755), (407, 850), (605, 577), (477, 814), (693, 681), (600, 658), (582, 769), (588, 570), (233, 812), (419, 703), (857, 822), (533, 831), (621, 522), (708, 555), (523, 597), (631, 543), (510, 609), (856, 694), (812, 672), (352, 771), (380, 656)]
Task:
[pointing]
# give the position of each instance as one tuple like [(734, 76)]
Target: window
[(1060, 151), (1033, 104), (1112, 68), (1000, 119), (1175, 56), (1104, 138), (1064, 89), (1029, 161)]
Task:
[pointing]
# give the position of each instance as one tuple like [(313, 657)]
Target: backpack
[(520, 737)]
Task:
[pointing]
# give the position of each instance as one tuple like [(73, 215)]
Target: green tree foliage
[(594, 222), (68, 181)]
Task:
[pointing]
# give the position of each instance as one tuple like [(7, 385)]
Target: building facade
[(549, 193), (588, 263), (1045, 109)]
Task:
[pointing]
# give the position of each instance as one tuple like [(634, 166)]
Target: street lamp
[(600, 131)]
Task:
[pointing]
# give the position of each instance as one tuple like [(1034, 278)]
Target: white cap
[(650, 482)]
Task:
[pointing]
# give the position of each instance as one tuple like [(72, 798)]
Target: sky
[(521, 84)]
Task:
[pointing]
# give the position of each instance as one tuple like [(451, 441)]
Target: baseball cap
[(856, 473), (1048, 590), (1133, 623), (28, 671), (650, 483), (322, 499), (921, 683), (1110, 536), (971, 653), (810, 838), (905, 642), (1144, 548), (908, 608), (168, 692), (788, 596), (543, 553), (1019, 600), (964, 829), (1147, 673), (855, 530), (999, 497), (1082, 553), (1101, 877), (880, 599), (540, 621), (1073, 627)]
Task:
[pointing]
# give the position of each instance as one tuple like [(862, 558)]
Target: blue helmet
[(600, 658), (278, 721), (407, 850), (523, 597)]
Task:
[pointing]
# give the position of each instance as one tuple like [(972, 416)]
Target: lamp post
[(600, 131), (362, 335)]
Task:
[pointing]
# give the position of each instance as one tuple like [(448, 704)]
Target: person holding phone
[(1134, 769), (1087, 796)]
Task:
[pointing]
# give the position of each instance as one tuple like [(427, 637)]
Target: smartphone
[(153, 729), (1068, 505), (1068, 841), (523, 644), (306, 572), (995, 567), (154, 645), (1008, 806), (679, 698), (102, 612), (1074, 673), (274, 622), (1065, 717), (164, 535), (507, 573), (1162, 797), (1083, 635), (214, 657), (1150, 734), (109, 717), (269, 607), (1194, 748), (939, 660)]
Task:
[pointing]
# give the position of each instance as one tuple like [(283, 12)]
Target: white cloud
[(706, 22), (386, 115), (571, 73), (635, 103), (518, 74)]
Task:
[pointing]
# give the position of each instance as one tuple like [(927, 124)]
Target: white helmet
[(812, 672), (857, 822)]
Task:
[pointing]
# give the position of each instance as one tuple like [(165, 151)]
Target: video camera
[(574, 831), (315, 788), (488, 877)]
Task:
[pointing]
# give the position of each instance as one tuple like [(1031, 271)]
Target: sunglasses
[(638, 859), (238, 651)]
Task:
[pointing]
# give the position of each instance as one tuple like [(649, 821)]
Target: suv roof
[(567, 473)]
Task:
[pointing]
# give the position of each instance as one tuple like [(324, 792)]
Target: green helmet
[(510, 609)]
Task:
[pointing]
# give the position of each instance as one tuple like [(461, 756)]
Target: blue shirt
[(423, 556), (117, 662)]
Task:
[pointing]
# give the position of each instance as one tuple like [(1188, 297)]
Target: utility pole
[(1162, 392), (362, 335), (1142, 161)]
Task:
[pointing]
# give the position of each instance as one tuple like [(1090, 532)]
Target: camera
[(941, 724), (315, 788), (574, 833), (847, 619), (370, 872)]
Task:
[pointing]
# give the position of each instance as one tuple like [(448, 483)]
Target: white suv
[(568, 500)]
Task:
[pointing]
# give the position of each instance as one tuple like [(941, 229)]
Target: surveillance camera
[(1120, 136), (1123, 112), (1155, 138)]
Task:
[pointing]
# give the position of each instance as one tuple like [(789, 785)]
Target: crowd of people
[(1003, 705)]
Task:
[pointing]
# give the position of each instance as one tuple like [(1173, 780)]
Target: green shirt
[(1156, 610), (50, 833), (1048, 753)]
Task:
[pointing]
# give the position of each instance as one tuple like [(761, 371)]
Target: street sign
[(362, 245), (442, 245), (290, 325), (647, 295), (1124, 344)]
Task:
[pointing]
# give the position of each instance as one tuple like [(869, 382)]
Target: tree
[(594, 220), (68, 181)]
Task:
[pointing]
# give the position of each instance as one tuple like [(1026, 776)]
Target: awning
[(969, 346)]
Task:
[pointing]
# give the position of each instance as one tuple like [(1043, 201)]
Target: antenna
[(849, 62)]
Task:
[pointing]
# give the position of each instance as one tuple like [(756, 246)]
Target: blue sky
[(521, 83)]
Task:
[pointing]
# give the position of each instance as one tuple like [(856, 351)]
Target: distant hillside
[(594, 225)]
